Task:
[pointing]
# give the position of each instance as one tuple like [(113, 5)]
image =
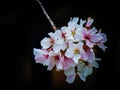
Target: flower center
[(73, 32), (87, 37), (57, 58), (52, 41), (85, 47), (46, 56), (76, 51), (63, 35)]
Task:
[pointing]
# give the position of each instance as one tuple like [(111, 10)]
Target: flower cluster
[(72, 47)]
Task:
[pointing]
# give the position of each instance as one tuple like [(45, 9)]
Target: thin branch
[(44, 11)]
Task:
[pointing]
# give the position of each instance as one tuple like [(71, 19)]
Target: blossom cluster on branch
[(71, 49)]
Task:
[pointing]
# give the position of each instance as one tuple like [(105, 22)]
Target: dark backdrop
[(23, 25)]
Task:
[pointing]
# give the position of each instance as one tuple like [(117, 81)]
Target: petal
[(96, 38), (59, 41), (57, 34), (76, 57), (67, 63), (88, 71), (46, 62), (39, 58), (80, 66), (82, 77), (57, 48), (52, 53), (59, 66), (71, 78), (45, 43), (82, 22), (71, 62), (82, 50), (84, 56), (69, 33), (104, 37), (78, 37), (80, 45), (84, 32), (91, 56), (92, 31), (74, 20), (102, 46), (97, 59), (69, 53), (63, 29), (64, 46), (51, 64), (72, 45), (95, 64), (89, 44), (69, 71), (37, 51), (89, 22), (52, 35)]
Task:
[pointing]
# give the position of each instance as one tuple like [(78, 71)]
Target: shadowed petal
[(88, 71), (69, 71), (95, 64), (67, 63), (82, 77), (71, 78)]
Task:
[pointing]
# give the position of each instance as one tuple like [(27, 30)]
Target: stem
[(44, 11)]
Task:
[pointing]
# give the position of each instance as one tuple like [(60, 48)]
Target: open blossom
[(74, 51), (90, 36), (55, 41), (71, 29), (71, 49)]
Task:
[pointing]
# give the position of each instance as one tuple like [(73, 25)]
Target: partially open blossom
[(71, 49), (55, 41), (101, 42), (89, 23)]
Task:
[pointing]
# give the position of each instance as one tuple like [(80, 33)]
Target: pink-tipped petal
[(67, 63)]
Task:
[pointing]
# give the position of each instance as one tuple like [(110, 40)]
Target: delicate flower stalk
[(44, 11), (71, 47)]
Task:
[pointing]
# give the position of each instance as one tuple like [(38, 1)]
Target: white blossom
[(72, 47)]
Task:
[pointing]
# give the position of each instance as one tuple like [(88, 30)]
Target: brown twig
[(44, 11)]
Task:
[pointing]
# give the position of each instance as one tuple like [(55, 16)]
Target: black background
[(23, 25)]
